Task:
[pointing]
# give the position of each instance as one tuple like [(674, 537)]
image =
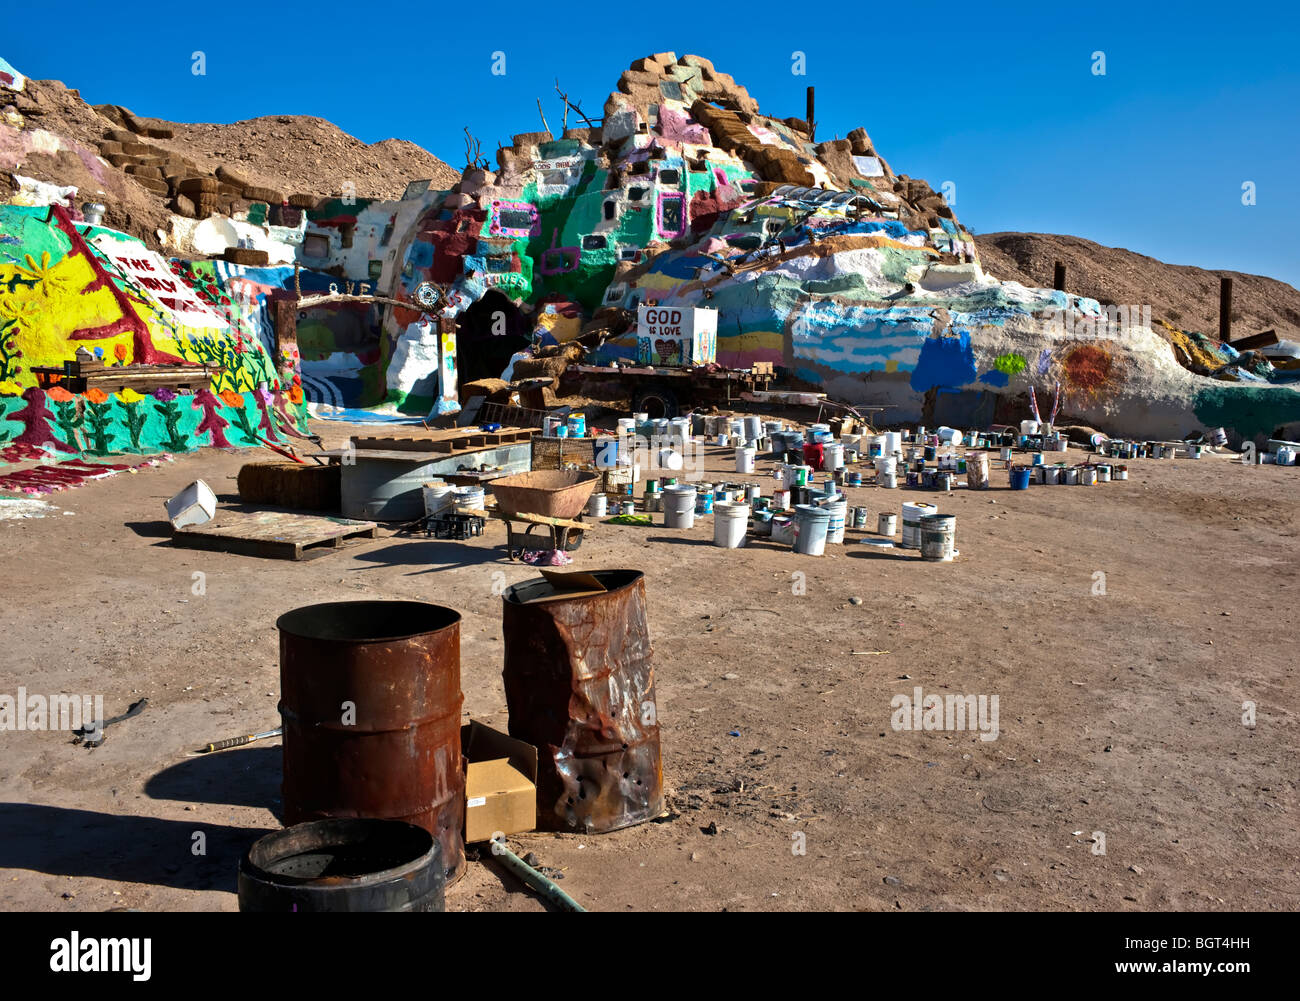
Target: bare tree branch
[(577, 108)]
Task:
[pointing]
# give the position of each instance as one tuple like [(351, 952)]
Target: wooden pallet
[(444, 441), (274, 534)]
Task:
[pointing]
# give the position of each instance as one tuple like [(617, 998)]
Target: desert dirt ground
[(1120, 713)]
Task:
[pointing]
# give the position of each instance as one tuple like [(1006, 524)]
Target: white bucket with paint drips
[(730, 523), (913, 512), (745, 459), (938, 537), (783, 529), (977, 470), (438, 497), (887, 524), (470, 497), (679, 506)]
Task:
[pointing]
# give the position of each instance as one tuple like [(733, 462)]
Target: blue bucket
[(1020, 478), (704, 503)]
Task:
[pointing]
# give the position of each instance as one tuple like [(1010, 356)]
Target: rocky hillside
[(1186, 297)]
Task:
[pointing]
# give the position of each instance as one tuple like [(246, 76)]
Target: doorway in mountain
[(487, 334)]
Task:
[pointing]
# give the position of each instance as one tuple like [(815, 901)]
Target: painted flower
[(164, 394), (96, 395), (59, 395), (232, 398), (119, 352), (295, 394), (129, 396)]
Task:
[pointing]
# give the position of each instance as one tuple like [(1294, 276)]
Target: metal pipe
[(535, 879)]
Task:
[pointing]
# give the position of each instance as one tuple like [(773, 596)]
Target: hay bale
[(291, 485)]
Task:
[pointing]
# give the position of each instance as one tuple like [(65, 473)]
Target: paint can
[(838, 510), (669, 459), (745, 459), (1030, 427), (721, 441), (577, 424), (781, 500), (1103, 473), (1019, 476), (1218, 437), (1037, 459), (753, 493), (811, 525), (1071, 474), (1194, 451), (892, 443), (598, 505), (887, 524), (913, 479), (753, 428), (833, 456), (913, 512), (887, 480), (561, 431), (1051, 475), (927, 479), (1005, 453), (853, 479), (886, 464), (938, 537), (859, 517), (783, 529), (1286, 455), (943, 481), (679, 506), (629, 507), (977, 470), (929, 453), (550, 426), (802, 476), (470, 497), (1121, 472), (704, 499), (875, 447), (730, 524), (1087, 476)]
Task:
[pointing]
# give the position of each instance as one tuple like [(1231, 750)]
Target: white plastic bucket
[(745, 459), (679, 506), (194, 505), (470, 497), (438, 497), (888, 480), (833, 456), (811, 524), (598, 505), (753, 428), (886, 464), (977, 470), (887, 524), (938, 536), (1030, 427), (835, 526), (730, 523), (669, 459), (913, 512), (893, 442)]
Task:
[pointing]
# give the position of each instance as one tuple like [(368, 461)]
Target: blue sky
[(999, 99)]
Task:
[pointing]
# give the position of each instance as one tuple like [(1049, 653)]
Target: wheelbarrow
[(550, 499)]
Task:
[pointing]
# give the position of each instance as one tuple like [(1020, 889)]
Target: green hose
[(535, 879)]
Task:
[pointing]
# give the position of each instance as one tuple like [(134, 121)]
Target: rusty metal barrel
[(370, 700), (579, 682)]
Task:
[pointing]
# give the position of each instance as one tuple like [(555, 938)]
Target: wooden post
[(810, 118), (1058, 278), (1225, 309)]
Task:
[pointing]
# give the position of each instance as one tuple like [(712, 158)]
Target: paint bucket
[(887, 524), (875, 447), (938, 535), (753, 428), (1037, 459), (833, 456), (977, 470), (927, 479), (438, 497), (943, 481), (913, 479), (859, 519), (811, 525), (753, 493), (1121, 472), (745, 459), (1030, 427), (669, 459), (1019, 476), (1071, 475), (721, 441), (781, 500), (651, 501), (1194, 451), (629, 507), (887, 480), (1218, 437), (577, 424), (561, 431), (783, 529), (679, 506), (470, 497), (598, 506), (835, 527), (913, 512), (730, 523), (1087, 476), (1051, 475), (704, 500), (886, 464), (1103, 474), (1005, 454), (853, 479)]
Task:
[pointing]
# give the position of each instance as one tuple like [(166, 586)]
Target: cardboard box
[(500, 783)]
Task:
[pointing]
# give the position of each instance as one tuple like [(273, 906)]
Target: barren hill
[(1186, 297)]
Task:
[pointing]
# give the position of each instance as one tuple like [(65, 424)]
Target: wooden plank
[(274, 534)]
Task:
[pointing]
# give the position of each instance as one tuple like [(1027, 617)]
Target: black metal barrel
[(343, 865), (579, 682), (370, 700)]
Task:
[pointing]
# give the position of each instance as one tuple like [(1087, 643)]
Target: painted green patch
[(1010, 363), (1247, 410)]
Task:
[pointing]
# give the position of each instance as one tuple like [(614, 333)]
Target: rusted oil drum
[(370, 701), (579, 683)]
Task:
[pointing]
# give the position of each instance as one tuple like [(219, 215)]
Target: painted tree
[(36, 417), (212, 419), (264, 401)]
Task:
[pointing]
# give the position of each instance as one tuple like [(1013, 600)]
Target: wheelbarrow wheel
[(574, 540)]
